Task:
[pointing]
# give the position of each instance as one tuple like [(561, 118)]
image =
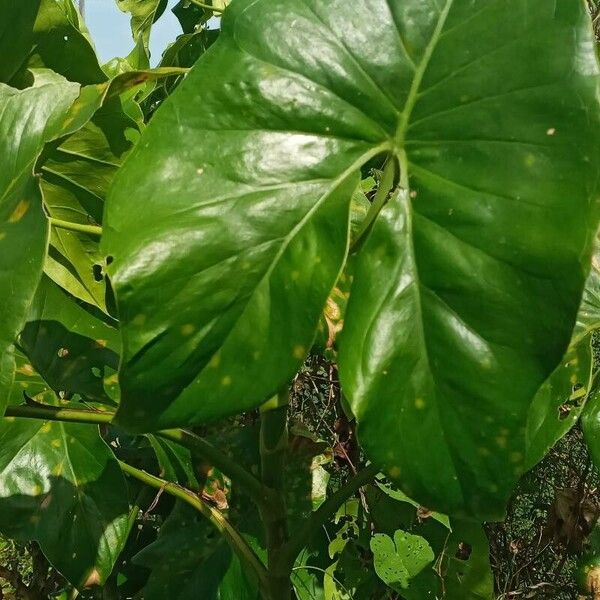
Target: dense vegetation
[(305, 311)]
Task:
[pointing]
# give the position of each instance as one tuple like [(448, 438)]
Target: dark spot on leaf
[(97, 270), (463, 552)]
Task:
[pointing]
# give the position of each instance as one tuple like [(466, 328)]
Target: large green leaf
[(466, 290), (61, 485), (465, 293), (62, 43), (28, 119), (16, 35), (249, 234)]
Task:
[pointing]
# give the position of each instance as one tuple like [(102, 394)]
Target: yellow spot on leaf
[(19, 212), (138, 320), (516, 457), (26, 369), (420, 404), (395, 472), (215, 361), (101, 343), (112, 379), (46, 428), (58, 470), (501, 441), (551, 131), (55, 443), (299, 352), (187, 329), (295, 275), (226, 381)]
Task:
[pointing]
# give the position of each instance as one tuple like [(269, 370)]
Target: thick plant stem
[(273, 450), (193, 442), (232, 536), (89, 229)]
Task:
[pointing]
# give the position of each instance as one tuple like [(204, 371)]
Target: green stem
[(324, 513), (236, 541), (273, 451), (228, 466), (208, 6), (89, 229), (193, 442), (52, 413), (383, 191)]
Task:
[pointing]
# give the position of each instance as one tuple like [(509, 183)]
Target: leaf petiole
[(81, 228)]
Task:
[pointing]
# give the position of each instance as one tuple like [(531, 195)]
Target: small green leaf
[(144, 13), (400, 559)]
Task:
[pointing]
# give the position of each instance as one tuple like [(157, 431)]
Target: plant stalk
[(273, 451), (193, 442), (234, 539), (94, 230), (381, 196)]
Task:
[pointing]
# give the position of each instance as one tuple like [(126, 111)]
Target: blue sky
[(110, 29)]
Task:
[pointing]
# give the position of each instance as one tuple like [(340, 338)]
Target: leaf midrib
[(413, 93)]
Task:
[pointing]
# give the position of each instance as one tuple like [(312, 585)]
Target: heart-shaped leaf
[(400, 559)]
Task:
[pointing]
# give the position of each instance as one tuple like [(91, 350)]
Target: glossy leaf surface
[(254, 220), (559, 402), (16, 35), (61, 485), (476, 265), (466, 291), (28, 119)]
